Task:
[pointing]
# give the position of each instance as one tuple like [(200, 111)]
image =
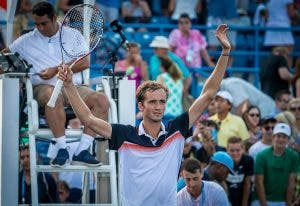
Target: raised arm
[(212, 84), (81, 110)]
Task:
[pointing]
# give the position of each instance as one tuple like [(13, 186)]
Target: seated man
[(41, 48)]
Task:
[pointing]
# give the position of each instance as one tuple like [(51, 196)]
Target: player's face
[(154, 105), (46, 26), (192, 181)]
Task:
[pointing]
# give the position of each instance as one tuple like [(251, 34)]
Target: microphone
[(116, 27)]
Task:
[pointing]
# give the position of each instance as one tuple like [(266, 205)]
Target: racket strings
[(87, 24)]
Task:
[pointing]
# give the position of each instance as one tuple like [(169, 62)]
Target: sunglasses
[(269, 127), (254, 115), (293, 109)]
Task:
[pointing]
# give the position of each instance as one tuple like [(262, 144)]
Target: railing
[(248, 52)]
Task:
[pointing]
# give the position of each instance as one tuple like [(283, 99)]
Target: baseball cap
[(225, 95), (224, 159), (282, 128), (160, 42)]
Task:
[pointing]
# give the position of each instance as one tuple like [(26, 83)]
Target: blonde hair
[(293, 101), (286, 117)]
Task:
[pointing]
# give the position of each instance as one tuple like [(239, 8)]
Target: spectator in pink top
[(189, 44)]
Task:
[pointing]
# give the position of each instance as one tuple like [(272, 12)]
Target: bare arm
[(246, 190), (81, 110), (171, 7), (291, 189), (50, 72), (145, 8), (212, 84), (260, 189), (144, 71), (285, 74), (186, 84), (199, 7), (292, 11), (6, 50), (297, 86)]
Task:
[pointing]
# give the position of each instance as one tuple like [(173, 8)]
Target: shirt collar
[(56, 35), (153, 139)]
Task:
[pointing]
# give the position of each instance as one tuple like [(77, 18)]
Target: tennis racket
[(80, 32)]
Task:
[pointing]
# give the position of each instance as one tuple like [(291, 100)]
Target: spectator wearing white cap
[(275, 170), (162, 49), (230, 124)]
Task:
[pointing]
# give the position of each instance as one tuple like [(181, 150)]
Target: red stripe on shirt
[(133, 146)]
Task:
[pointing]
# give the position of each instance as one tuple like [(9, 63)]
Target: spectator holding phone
[(207, 131)]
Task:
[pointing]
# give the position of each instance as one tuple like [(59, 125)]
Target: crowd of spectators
[(257, 127)]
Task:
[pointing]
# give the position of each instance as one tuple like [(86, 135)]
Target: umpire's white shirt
[(43, 52)]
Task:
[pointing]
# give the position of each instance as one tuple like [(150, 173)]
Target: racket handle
[(57, 89)]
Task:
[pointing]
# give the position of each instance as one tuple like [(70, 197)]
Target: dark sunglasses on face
[(293, 109), (254, 115)]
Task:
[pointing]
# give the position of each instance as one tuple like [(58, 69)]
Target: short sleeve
[(259, 164), (181, 123), (282, 62), (119, 134), (18, 45), (173, 38), (249, 171), (295, 162)]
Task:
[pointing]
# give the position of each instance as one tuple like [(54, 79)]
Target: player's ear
[(141, 106)]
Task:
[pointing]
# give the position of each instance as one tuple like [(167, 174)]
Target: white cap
[(282, 128), (225, 95), (160, 42)]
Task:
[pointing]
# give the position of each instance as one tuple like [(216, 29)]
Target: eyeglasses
[(254, 115), (293, 109), (269, 127)]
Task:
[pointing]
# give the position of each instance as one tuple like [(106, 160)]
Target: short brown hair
[(234, 140), (191, 165), (149, 86)]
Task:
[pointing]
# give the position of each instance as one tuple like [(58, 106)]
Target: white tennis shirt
[(44, 52)]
